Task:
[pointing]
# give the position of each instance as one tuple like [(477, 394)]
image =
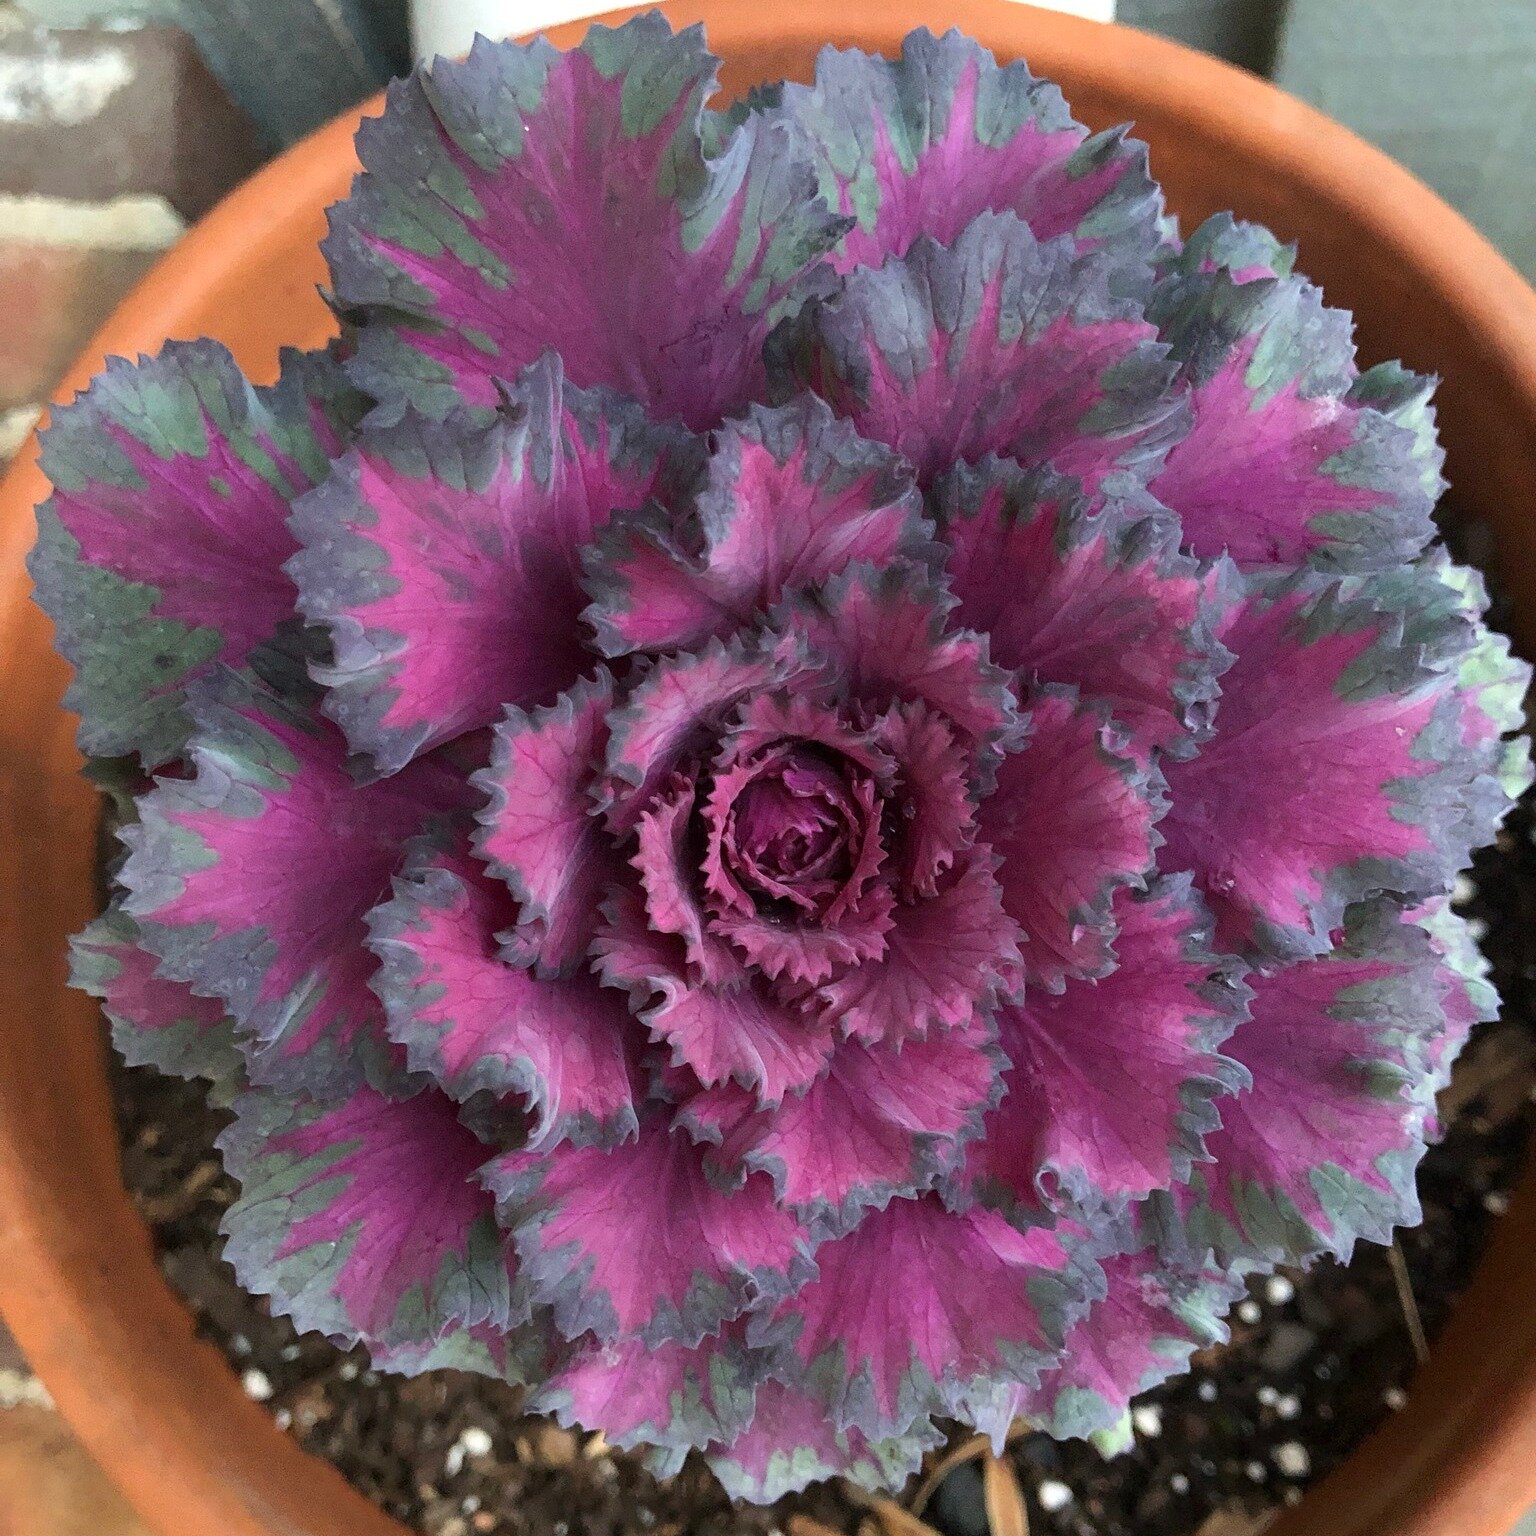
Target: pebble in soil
[(1316, 1358)]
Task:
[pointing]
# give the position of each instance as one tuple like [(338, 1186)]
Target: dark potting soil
[(1315, 1362)]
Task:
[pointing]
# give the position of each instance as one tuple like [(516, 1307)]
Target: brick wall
[(110, 143)]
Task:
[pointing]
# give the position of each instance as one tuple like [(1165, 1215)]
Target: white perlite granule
[(1292, 1458), (20, 1389), (472, 1442), (257, 1384), (1053, 1495), (476, 1441)]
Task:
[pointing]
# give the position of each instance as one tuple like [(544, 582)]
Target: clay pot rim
[(163, 1413)]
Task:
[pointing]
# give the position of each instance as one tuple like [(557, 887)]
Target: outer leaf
[(1468, 992), (1114, 1084), (792, 496), (539, 830), (445, 557), (364, 1220), (1493, 682), (634, 1242), (734, 1032), (520, 1357), (251, 881), (525, 199), (883, 1123), (1144, 1331), (792, 1443), (1073, 819), (1338, 766), (155, 1022), (655, 1395), (1246, 252), (1100, 600), (1291, 457), (1405, 399), (1322, 1150), (923, 144), (160, 554), (1467, 996), (1002, 344), (962, 1298), (477, 1024)]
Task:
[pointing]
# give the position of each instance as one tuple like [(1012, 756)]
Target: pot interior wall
[(79, 1283)]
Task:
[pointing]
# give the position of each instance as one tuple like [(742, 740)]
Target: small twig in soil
[(967, 1450), (898, 1522), (1410, 1306), (1235, 1522), (1003, 1499), (161, 1208), (804, 1525), (894, 1520)]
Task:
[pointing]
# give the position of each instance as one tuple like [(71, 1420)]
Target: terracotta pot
[(78, 1282)]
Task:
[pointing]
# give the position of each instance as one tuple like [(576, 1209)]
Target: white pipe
[(449, 26)]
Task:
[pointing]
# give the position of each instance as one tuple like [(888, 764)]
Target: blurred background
[(122, 121)]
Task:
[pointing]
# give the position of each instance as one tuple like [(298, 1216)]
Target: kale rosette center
[(792, 829)]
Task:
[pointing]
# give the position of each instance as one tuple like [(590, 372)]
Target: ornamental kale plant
[(811, 784)]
